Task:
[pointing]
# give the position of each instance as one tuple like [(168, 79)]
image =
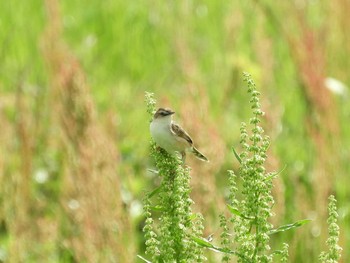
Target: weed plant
[(333, 253), (177, 237), (171, 239), (251, 206)]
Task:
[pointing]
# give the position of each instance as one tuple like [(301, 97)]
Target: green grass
[(190, 54)]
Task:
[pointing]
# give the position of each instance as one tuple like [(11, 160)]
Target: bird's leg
[(183, 157), (158, 148)]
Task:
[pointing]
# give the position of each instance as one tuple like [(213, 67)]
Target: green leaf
[(193, 217), (236, 212), (157, 208), (289, 226), (155, 191), (153, 171), (274, 174), (205, 243), (237, 156), (144, 259), (277, 252)]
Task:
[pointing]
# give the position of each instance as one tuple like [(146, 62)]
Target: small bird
[(170, 136)]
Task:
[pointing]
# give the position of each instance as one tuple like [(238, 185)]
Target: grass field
[(74, 127)]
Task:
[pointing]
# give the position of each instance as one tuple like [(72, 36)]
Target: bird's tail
[(199, 155)]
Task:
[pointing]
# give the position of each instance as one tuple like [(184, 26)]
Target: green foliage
[(284, 253), (225, 237), (188, 53), (289, 226), (177, 224), (334, 250), (251, 226), (250, 214), (151, 237)]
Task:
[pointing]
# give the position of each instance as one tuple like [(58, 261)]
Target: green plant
[(333, 254), (251, 207), (178, 236), (170, 240)]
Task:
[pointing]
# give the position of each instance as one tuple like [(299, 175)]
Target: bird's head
[(163, 113)]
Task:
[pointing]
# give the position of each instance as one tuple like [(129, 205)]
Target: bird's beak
[(171, 113)]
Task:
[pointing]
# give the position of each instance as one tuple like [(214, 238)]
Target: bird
[(171, 136)]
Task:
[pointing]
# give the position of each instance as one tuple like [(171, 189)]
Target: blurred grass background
[(74, 128)]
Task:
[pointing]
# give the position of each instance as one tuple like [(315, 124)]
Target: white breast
[(161, 134)]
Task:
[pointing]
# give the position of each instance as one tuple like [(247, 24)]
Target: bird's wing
[(178, 131)]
